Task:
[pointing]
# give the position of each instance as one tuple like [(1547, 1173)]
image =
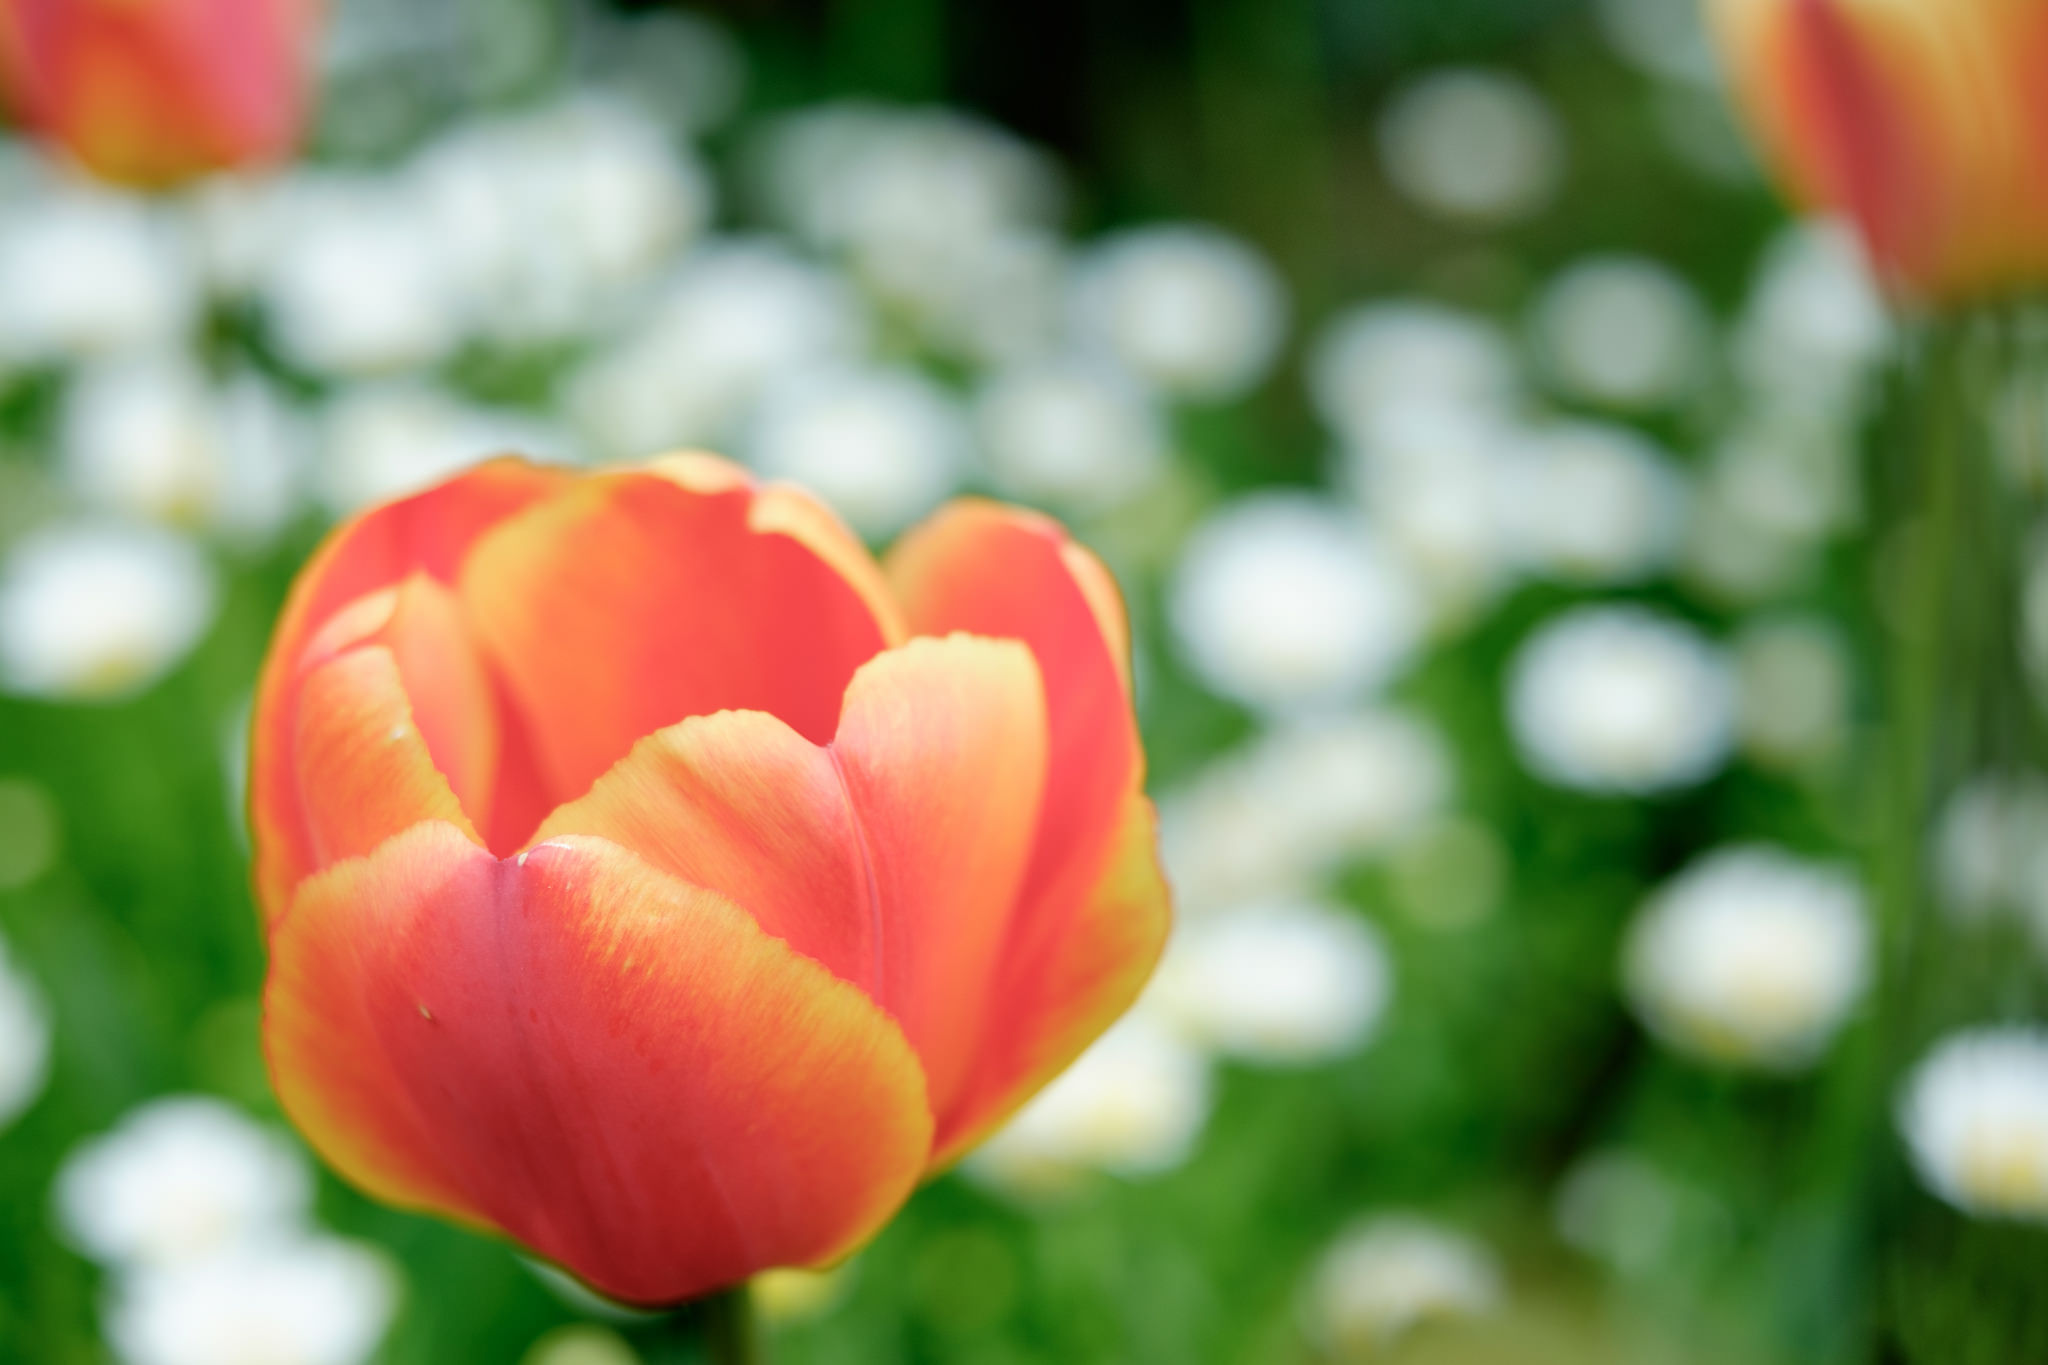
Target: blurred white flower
[(389, 438), (1185, 307), (1781, 483), (1623, 331), (266, 452), (179, 1180), (357, 280), (1617, 1206), (1286, 984), (1795, 683), (1383, 1278), (1001, 301), (1620, 699), (1666, 38), (1284, 600), (1279, 816), (294, 1301), (882, 446), (1815, 323), (1596, 504), (1390, 358), (1069, 434), (1991, 845), (584, 1343), (1132, 1105), (1750, 957), (24, 1040), (1439, 483), (90, 272), (1449, 875), (681, 66), (549, 218), (1479, 146), (99, 610), (735, 315), (1974, 1114)]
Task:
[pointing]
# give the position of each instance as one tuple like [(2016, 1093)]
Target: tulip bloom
[(151, 92), (1924, 121), (652, 877)]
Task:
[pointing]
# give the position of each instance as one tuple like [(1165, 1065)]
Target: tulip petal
[(893, 855), (636, 600), (1081, 942), (619, 1070), (427, 534)]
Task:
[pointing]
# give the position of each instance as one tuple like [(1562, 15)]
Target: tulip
[(655, 879), (1925, 121), (151, 92)]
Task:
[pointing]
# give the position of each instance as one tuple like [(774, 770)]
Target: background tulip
[(150, 92), (1925, 122), (651, 876)]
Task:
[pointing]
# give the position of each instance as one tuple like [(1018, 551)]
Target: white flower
[(1666, 38), (1284, 600), (89, 272), (266, 453), (1449, 875), (1383, 1278), (583, 1343), (24, 1039), (180, 1179), (1815, 323), (1991, 845), (358, 281), (735, 315), (1132, 1104), (1185, 307), (1621, 330), (1281, 815), (1481, 146), (1795, 684), (1001, 300), (1974, 1114), (99, 610), (551, 217), (1595, 504), (383, 440), (1069, 433), (683, 66), (882, 446), (295, 1301), (1621, 699), (1620, 1208), (1390, 358), (1750, 957), (1287, 984)]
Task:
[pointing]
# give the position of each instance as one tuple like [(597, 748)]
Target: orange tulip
[(652, 877), (1927, 123), (151, 92)]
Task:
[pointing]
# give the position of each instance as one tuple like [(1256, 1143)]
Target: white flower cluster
[(201, 1218)]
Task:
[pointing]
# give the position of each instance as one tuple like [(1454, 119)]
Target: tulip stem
[(730, 1333)]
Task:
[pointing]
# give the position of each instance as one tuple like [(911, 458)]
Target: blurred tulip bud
[(152, 92), (654, 878), (1925, 122)]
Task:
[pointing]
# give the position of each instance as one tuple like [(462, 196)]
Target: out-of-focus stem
[(730, 1333)]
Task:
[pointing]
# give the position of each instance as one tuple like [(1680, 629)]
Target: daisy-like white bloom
[(1795, 682), (1620, 699), (1070, 433), (686, 69), (735, 315), (1388, 358), (387, 438), (1596, 504), (1132, 1105), (1752, 957), (180, 1179), (294, 1301), (24, 1036), (1189, 309), (1387, 1276), (882, 445), (1974, 1114), (1279, 816), (89, 272), (1991, 845), (1815, 325), (1622, 331), (551, 218), (1667, 38), (93, 611), (1477, 146), (1289, 984), (1284, 600)]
